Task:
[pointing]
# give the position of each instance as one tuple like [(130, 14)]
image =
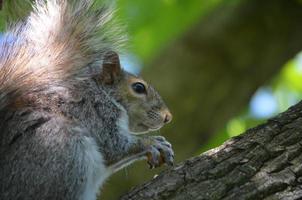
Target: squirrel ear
[(111, 69)]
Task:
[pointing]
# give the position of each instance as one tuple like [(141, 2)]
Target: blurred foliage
[(285, 89), (13, 10), (153, 24)]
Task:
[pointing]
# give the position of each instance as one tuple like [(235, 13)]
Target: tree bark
[(263, 163)]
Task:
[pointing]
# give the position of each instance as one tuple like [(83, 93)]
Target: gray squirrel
[(69, 114)]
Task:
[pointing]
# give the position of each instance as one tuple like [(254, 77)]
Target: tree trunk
[(263, 163)]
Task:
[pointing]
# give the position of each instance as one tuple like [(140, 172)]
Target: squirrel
[(70, 116)]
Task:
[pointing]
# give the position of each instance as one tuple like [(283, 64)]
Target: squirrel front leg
[(155, 149)]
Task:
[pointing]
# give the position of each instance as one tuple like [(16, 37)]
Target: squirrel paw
[(159, 152)]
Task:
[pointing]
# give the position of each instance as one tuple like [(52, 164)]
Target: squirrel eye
[(139, 88)]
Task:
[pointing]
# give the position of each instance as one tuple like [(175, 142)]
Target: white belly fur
[(96, 171)]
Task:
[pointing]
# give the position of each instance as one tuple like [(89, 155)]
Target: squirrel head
[(144, 106)]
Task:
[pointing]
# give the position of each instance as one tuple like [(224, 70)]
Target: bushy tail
[(54, 44)]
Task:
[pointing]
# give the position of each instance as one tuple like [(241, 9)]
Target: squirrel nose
[(168, 117)]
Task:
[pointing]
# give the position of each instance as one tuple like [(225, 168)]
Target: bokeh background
[(222, 66)]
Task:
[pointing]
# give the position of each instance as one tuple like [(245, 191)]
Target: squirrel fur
[(69, 114)]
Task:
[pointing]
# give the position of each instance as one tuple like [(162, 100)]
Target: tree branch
[(263, 163)]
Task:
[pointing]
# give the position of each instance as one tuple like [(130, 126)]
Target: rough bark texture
[(263, 163)]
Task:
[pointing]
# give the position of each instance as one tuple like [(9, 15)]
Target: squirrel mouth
[(155, 129), (150, 128), (143, 129)]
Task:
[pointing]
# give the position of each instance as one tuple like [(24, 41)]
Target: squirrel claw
[(159, 152)]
